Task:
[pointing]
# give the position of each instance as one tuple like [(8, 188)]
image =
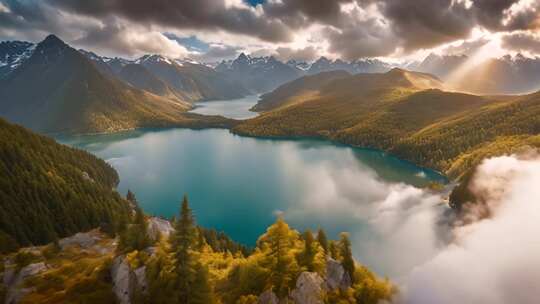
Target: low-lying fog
[(405, 232)]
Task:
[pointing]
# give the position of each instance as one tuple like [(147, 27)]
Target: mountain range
[(263, 74), (80, 91), (505, 75), (69, 93)]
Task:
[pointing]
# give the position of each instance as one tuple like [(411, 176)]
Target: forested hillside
[(184, 263), (48, 190), (302, 86), (397, 112)]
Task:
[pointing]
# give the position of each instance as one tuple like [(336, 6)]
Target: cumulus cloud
[(131, 40), (496, 259), (350, 29), (427, 23), (522, 41), (190, 14)]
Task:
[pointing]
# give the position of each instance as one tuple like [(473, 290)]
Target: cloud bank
[(410, 235), (349, 29), (495, 260)]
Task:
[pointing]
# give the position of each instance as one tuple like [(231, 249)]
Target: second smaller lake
[(234, 108)]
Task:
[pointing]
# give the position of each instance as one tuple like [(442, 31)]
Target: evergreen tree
[(183, 242), (309, 252), (130, 196), (322, 239), (346, 255), (201, 292), (333, 250), (135, 237)]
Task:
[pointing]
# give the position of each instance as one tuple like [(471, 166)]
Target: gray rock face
[(309, 289), (140, 275), (336, 277), (82, 239), (127, 281), (268, 297), (158, 226), (124, 280), (14, 282)]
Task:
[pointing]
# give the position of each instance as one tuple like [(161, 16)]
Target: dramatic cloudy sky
[(211, 30)]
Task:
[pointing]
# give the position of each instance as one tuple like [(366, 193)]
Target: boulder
[(309, 289), (124, 280), (336, 276), (14, 282), (158, 226), (268, 297)]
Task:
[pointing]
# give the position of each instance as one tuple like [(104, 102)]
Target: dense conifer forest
[(49, 191)]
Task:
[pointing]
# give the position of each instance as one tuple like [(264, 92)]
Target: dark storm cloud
[(361, 38), (294, 12), (522, 41), (427, 23), (27, 20), (366, 28), (491, 13), (184, 14)]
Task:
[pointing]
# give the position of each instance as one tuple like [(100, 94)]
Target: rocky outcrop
[(124, 280), (140, 275), (158, 226), (336, 276), (84, 240), (14, 281), (268, 297), (127, 282), (309, 289)]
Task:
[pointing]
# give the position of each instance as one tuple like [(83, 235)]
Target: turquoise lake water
[(235, 108), (240, 184)]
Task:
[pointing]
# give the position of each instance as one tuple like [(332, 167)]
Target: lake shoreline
[(264, 137), (284, 138)]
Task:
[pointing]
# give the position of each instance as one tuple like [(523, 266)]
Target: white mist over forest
[(406, 233)]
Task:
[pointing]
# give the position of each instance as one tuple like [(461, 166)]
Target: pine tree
[(183, 241), (135, 237), (323, 240), (131, 197), (201, 292), (332, 250), (346, 255), (308, 255)]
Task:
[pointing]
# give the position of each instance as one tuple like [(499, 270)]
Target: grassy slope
[(284, 94), (447, 131)]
